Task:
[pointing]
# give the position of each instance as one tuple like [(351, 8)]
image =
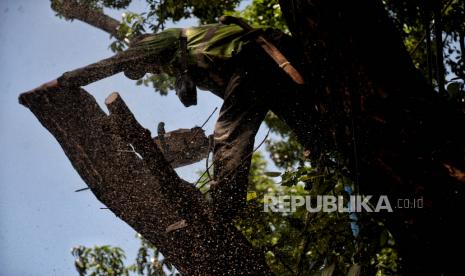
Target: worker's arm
[(147, 54), (96, 71)]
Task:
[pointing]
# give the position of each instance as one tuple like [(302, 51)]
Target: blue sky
[(41, 217)]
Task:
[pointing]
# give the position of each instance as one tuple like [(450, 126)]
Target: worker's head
[(134, 74), (134, 68), (137, 70)]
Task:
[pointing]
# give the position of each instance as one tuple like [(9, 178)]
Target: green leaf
[(272, 174)]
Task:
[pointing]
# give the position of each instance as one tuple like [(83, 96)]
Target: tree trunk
[(400, 137), (142, 189)]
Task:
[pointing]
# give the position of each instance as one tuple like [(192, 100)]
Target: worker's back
[(209, 47), (207, 43)]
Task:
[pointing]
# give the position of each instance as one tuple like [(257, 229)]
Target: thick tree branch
[(183, 147), (142, 189), (73, 9)]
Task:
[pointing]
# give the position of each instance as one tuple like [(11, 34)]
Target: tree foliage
[(110, 261), (417, 22)]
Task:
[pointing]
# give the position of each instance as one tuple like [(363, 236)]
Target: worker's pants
[(256, 86)]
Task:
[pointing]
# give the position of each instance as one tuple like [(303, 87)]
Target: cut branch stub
[(184, 146), (124, 124)]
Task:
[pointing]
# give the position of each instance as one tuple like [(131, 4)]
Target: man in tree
[(225, 60)]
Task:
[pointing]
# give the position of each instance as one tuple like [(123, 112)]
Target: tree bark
[(72, 9), (183, 147), (397, 133), (142, 189)]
